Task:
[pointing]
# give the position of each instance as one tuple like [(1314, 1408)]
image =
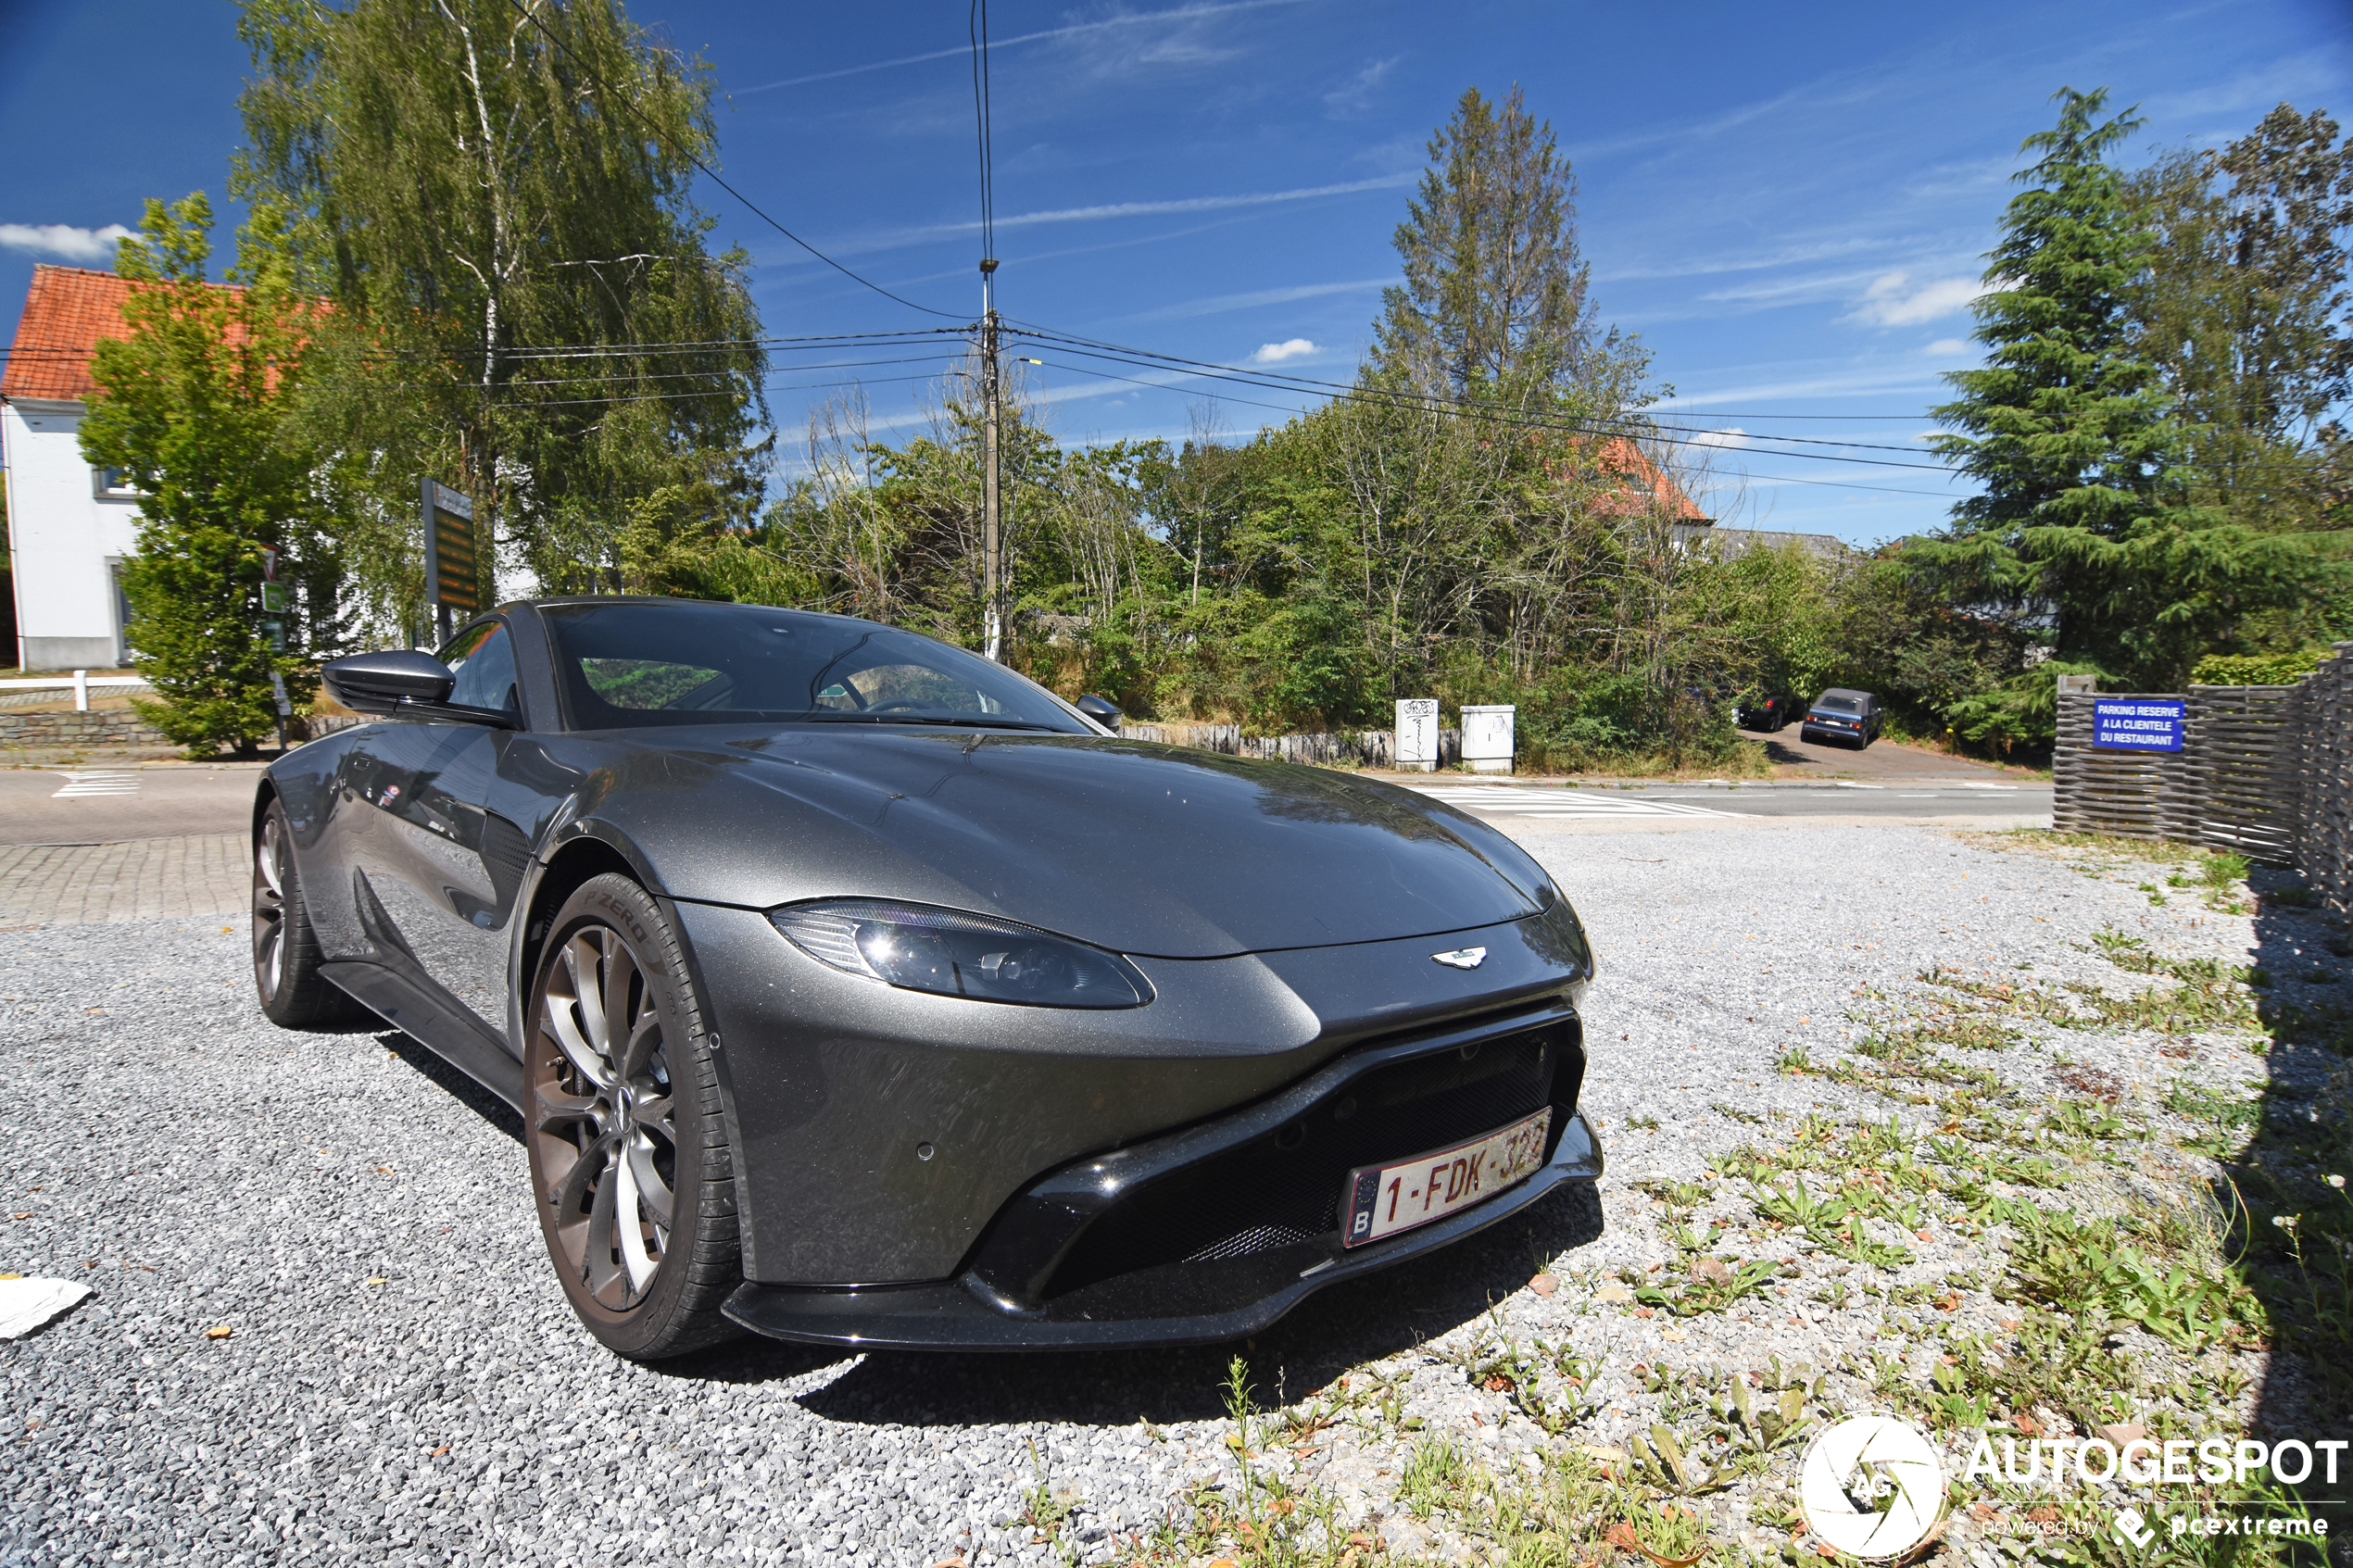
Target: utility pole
[(992, 522)]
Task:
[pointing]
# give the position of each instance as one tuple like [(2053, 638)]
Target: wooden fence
[(2324, 775), (2266, 771), (1351, 749)]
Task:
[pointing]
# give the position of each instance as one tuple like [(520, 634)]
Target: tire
[(630, 1170), (285, 948)]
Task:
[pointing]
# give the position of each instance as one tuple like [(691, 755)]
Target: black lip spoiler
[(1186, 1304)]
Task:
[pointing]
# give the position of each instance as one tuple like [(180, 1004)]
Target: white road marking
[(1516, 801), (98, 784), (1988, 786), (1844, 783)]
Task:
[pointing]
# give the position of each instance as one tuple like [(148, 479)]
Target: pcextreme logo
[(1872, 1487)]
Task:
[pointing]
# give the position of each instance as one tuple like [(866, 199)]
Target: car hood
[(1149, 850)]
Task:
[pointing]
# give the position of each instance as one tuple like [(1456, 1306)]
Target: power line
[(1503, 413), (712, 174), (982, 127), (1623, 426), (671, 375), (907, 337)]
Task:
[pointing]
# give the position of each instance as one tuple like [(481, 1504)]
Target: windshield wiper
[(932, 718)]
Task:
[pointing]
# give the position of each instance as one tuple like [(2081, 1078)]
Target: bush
[(2256, 669)]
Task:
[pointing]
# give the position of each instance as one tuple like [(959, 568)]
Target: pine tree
[(191, 405), (2086, 514), (1494, 296)]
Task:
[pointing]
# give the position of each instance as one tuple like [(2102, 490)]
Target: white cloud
[(1190, 203), (64, 239), (1894, 300), (1947, 347), (1357, 96), (1276, 353), (1154, 53), (1733, 436), (1216, 304)]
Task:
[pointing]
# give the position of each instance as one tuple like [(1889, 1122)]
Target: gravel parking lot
[(400, 1381)]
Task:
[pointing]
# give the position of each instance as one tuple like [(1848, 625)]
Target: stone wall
[(101, 727)]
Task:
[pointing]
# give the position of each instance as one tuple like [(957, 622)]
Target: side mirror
[(380, 683), (1099, 710), (402, 682)]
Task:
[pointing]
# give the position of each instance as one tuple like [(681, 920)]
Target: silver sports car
[(855, 989)]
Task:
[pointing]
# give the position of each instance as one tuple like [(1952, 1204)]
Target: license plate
[(1383, 1200)]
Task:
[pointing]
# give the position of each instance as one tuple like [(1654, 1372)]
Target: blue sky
[(1788, 203)]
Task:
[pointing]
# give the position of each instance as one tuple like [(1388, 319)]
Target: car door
[(437, 877)]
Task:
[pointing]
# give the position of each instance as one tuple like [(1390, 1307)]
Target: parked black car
[(855, 989), (1843, 715), (1766, 714)]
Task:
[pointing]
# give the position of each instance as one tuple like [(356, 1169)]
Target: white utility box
[(1418, 734), (1487, 738)]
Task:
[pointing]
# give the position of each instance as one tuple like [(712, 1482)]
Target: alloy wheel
[(269, 909), (604, 1118)]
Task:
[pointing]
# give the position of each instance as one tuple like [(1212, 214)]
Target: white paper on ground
[(26, 1304)]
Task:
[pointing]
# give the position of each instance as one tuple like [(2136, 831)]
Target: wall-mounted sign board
[(2137, 723), (452, 573)]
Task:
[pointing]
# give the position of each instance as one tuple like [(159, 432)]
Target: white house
[(70, 525)]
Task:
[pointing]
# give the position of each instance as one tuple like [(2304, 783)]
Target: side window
[(485, 667)]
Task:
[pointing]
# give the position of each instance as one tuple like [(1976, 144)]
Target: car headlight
[(951, 954)]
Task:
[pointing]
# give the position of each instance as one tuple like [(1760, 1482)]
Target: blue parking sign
[(2137, 724)]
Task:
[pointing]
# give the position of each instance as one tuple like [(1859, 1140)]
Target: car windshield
[(648, 662), (1837, 705)]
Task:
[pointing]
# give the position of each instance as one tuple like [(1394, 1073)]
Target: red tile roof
[(67, 310), (1641, 485)]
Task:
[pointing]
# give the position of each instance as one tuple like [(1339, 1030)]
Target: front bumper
[(1215, 1231)]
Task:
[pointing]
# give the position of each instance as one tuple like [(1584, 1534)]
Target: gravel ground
[(400, 1381)]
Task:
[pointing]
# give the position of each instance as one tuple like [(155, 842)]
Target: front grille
[(1284, 1188)]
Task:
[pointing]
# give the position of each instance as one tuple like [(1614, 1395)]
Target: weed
[(1715, 1285), (1048, 1511), (1435, 1474)]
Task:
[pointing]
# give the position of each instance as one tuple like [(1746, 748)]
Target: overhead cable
[(712, 174)]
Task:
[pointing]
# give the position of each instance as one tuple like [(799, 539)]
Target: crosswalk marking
[(1555, 803), (105, 783)]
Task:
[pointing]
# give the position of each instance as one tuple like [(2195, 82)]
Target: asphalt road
[(1538, 805), (1883, 761), (103, 805)]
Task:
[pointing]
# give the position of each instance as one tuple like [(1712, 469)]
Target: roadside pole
[(992, 616)]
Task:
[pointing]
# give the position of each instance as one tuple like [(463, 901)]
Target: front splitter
[(1164, 1306)]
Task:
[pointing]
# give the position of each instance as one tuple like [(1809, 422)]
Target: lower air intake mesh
[(1285, 1189)]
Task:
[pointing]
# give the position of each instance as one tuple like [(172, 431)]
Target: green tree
[(2085, 512), (495, 198), (193, 405), (1494, 292), (2244, 312)]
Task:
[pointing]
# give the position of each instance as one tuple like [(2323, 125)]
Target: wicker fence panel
[(2264, 771), (2118, 792), (2324, 770), (2239, 788)]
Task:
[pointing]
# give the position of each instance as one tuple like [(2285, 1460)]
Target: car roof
[(1844, 691), (569, 601)]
